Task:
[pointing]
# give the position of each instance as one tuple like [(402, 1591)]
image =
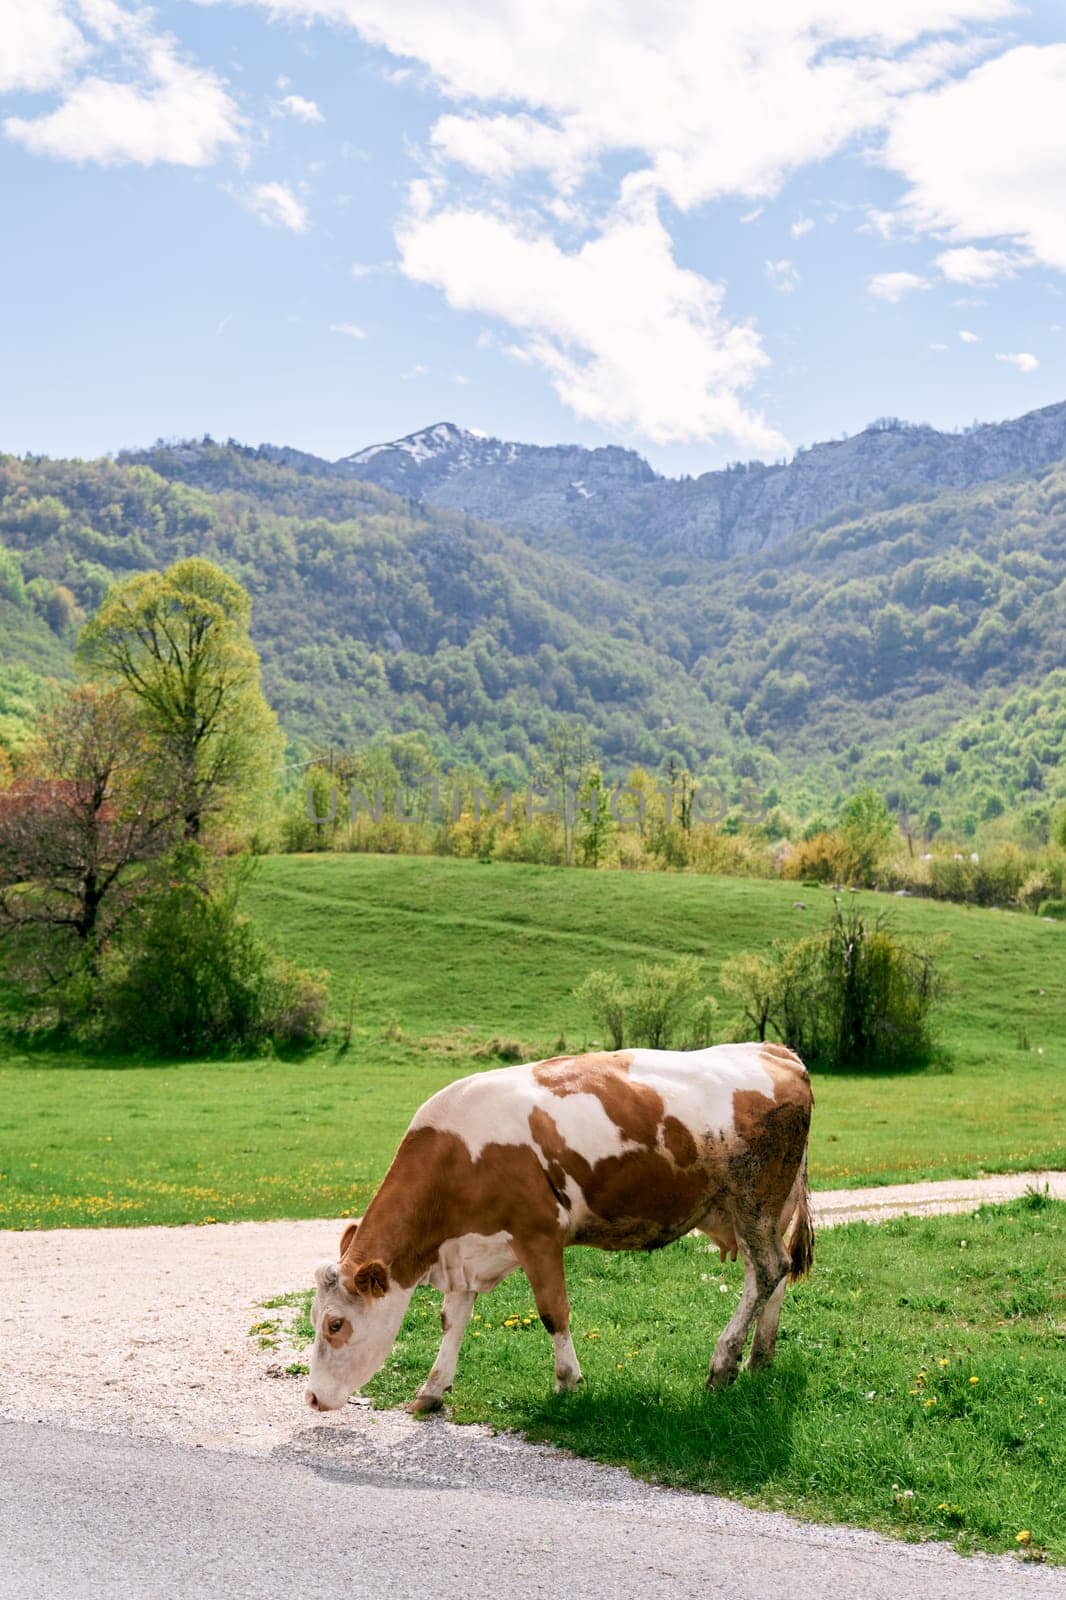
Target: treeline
[(394, 797)]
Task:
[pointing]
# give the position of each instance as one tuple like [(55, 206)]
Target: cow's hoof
[(722, 1378), (423, 1404), (567, 1382)]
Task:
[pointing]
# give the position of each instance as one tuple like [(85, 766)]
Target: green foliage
[(177, 642), (854, 995), (872, 635), (193, 975), (1056, 909), (665, 1006)]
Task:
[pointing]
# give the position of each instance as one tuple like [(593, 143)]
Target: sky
[(708, 232)]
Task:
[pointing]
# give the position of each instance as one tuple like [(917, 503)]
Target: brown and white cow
[(626, 1150)]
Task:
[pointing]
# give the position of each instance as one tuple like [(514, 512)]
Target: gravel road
[(146, 1450)]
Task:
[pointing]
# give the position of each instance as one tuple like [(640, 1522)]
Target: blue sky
[(330, 222)]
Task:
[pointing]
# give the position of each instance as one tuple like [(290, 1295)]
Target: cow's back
[(638, 1146)]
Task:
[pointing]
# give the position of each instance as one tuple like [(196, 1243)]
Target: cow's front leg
[(542, 1262), (454, 1316)]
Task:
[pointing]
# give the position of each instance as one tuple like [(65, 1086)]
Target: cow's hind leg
[(542, 1262), (764, 1341), (765, 1273), (454, 1316)]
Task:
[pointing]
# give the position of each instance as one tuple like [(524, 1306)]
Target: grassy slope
[(868, 1415), (445, 955)]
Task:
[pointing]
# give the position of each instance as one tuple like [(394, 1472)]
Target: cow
[(624, 1150)]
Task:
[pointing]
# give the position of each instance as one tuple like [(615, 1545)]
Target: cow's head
[(356, 1313)]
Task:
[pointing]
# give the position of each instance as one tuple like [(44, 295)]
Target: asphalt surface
[(150, 1448), (100, 1516)]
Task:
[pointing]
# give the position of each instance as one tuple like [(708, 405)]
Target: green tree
[(178, 643), (867, 829)]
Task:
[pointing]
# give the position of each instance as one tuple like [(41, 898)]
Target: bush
[(664, 1007), (192, 974), (1053, 908), (853, 995)]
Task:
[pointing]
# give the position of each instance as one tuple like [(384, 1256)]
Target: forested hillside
[(854, 650)]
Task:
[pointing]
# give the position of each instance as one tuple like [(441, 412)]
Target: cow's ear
[(346, 1238), (372, 1279)]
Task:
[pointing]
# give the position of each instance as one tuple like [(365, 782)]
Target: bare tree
[(562, 767)]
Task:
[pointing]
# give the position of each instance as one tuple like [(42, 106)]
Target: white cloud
[(968, 264), (892, 286), (39, 44), (460, 377), (985, 156), (277, 206), (714, 99), (969, 337), (170, 112), (417, 371), (1022, 359), (627, 337), (753, 215), (303, 110), (939, 347), (351, 329), (801, 226), (783, 275)]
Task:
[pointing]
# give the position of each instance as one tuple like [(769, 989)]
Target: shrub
[(665, 1006), (1053, 908), (193, 975), (852, 995)]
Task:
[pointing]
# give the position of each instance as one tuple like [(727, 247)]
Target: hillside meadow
[(449, 967)]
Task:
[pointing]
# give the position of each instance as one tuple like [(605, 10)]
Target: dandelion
[(943, 1362), (1023, 1537), (931, 1402), (973, 1380), (1040, 1399)]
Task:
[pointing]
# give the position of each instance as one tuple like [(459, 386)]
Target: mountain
[(849, 650), (613, 495)]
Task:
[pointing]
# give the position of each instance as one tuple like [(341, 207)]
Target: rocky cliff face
[(610, 493)]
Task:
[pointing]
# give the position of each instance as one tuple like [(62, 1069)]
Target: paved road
[(148, 1448), (103, 1518)]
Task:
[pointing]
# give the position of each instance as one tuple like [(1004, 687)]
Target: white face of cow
[(355, 1328)]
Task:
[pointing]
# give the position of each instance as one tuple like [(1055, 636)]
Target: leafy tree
[(177, 641), (85, 815)]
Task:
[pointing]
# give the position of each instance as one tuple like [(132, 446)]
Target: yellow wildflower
[(973, 1380), (1024, 1537)]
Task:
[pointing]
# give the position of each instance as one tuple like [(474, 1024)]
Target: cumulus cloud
[(294, 105), (783, 275), (277, 206), (893, 286), (984, 156), (715, 99), (627, 337), (39, 44), (163, 110), (351, 329), (801, 226), (968, 264), (1022, 359), (969, 337)]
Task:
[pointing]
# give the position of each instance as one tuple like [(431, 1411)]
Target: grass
[(443, 958), (919, 1386)]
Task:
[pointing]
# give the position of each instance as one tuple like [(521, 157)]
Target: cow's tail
[(801, 1244)]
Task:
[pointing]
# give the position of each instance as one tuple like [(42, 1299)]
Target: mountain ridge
[(610, 494)]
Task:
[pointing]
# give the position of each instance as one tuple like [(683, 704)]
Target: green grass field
[(445, 956), (919, 1385)]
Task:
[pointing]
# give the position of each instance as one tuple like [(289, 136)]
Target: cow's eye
[(336, 1324)]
